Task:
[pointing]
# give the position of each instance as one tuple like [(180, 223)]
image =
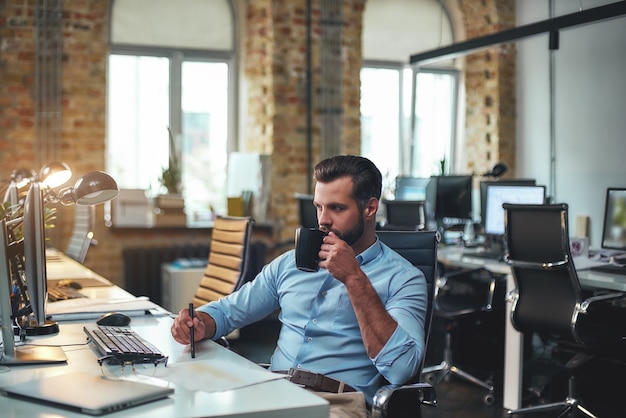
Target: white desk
[(513, 340), (270, 399)]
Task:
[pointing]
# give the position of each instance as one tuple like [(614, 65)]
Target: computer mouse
[(70, 283), (116, 319)]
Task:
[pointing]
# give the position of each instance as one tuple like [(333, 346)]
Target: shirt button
[(299, 366), (315, 321), (324, 293), (309, 339)]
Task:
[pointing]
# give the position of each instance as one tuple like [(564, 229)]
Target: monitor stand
[(29, 354), (32, 328)]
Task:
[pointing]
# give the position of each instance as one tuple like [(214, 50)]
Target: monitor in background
[(307, 213), (614, 226), (411, 188), (499, 194), (405, 214), (505, 182), (449, 199)]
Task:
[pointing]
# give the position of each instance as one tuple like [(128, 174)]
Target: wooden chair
[(228, 259)]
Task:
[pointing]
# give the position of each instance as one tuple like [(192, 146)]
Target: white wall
[(589, 109)]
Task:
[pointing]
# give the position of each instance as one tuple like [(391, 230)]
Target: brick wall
[(275, 71), (490, 88)]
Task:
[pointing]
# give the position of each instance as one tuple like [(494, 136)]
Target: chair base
[(436, 374), (569, 405)]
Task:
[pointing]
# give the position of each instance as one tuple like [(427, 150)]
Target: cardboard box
[(131, 208)]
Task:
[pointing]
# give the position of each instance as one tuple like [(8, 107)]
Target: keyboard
[(122, 344), (610, 268), (56, 293)]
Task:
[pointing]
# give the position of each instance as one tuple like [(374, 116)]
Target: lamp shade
[(91, 189), (22, 176), (55, 174)]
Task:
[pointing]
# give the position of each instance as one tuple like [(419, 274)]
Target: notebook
[(86, 393)]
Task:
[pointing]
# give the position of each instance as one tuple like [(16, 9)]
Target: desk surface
[(270, 398), (588, 279)]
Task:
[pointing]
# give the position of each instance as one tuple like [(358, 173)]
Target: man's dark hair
[(366, 177)]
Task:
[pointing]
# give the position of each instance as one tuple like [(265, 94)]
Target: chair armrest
[(391, 398), (600, 298)]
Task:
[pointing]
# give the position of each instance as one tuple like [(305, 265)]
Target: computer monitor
[(411, 188), (449, 198), (505, 182), (405, 214), (307, 213), (499, 194), (35, 253), (614, 225)]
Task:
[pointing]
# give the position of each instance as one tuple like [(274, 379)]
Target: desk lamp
[(16, 185), (92, 188)]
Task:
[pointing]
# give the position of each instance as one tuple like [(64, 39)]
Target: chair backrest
[(228, 259), (419, 248), (307, 214), (82, 235), (405, 214), (537, 249)]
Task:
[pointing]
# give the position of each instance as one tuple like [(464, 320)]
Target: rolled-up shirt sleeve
[(400, 358)]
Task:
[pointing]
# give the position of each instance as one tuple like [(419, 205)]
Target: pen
[(191, 332)]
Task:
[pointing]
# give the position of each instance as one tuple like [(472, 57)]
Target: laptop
[(86, 393)]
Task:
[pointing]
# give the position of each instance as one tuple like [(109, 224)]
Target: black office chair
[(469, 299), (392, 401), (548, 299), (83, 233), (407, 215)]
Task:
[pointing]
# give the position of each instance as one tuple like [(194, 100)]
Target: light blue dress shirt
[(319, 330)]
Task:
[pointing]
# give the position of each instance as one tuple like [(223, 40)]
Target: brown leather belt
[(315, 381)]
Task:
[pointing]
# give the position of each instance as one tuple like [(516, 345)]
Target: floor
[(459, 399)]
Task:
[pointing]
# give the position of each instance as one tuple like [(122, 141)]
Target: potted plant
[(171, 176)]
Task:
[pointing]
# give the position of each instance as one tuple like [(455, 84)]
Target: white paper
[(86, 308), (211, 376)]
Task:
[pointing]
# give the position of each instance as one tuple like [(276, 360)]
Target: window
[(407, 119), (177, 79), (408, 114)]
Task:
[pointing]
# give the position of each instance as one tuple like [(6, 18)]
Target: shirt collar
[(370, 253)]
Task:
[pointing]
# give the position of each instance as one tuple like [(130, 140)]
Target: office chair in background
[(82, 235), (229, 257), (392, 401), (469, 299), (548, 299)]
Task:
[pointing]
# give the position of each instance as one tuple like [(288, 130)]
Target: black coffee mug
[(308, 244)]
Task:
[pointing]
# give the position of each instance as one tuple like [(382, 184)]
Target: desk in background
[(513, 345), (270, 399)]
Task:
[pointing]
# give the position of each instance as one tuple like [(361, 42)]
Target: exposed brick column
[(276, 81), (490, 88)]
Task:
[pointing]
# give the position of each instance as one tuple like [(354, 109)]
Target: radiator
[(142, 266)]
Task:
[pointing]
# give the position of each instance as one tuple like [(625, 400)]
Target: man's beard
[(351, 236)]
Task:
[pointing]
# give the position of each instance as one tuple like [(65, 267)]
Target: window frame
[(406, 164)]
